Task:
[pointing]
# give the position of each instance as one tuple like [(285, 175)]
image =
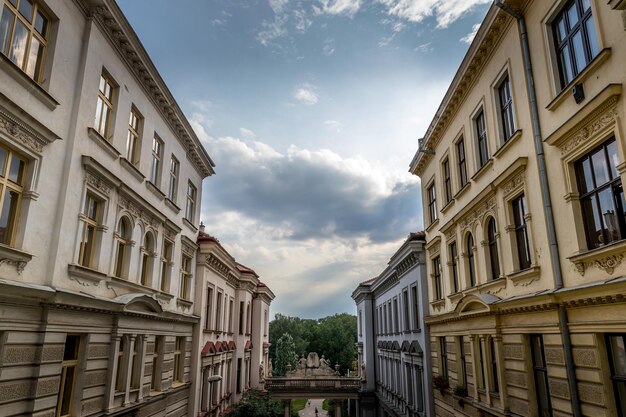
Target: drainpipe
[(547, 205)]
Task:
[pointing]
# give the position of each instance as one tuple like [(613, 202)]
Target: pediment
[(140, 303), (475, 304)]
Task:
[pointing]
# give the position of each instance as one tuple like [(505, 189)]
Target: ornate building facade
[(393, 342), (522, 170), (101, 182)]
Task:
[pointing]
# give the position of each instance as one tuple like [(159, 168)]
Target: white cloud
[(278, 5), (334, 125), (199, 123), (424, 48), (247, 133), (302, 21), (272, 30), (337, 7), (307, 94), (329, 47), (445, 11), (470, 36)]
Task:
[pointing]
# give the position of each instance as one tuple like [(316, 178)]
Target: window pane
[(579, 51), (16, 171), (586, 5), (618, 352), (592, 221), (609, 215), (561, 31), (572, 15), (41, 24), (8, 216), (591, 35), (3, 161), (600, 168), (67, 392), (6, 22), (566, 66), (18, 46), (26, 9), (535, 345), (586, 183), (611, 149), (71, 348), (542, 394), (35, 56)]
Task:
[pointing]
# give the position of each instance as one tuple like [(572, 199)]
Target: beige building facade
[(100, 184), (522, 170)]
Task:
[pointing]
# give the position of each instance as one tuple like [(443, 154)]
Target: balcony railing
[(313, 384)]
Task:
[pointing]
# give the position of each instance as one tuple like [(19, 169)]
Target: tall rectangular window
[(134, 134), (447, 182), (462, 361), (12, 179), (231, 309), (155, 165), (104, 106), (185, 278), (460, 151), (209, 306), (157, 360), (481, 138), (120, 383), (616, 344), (24, 35), (90, 217), (218, 311), (69, 373), (179, 359), (575, 39), (601, 195), (414, 299), (443, 357), (166, 265), (405, 308), (454, 272), (172, 191), (190, 209), (505, 101), (396, 316), (437, 278), (540, 374), (241, 317), (494, 365), (521, 232), (135, 364), (432, 203)]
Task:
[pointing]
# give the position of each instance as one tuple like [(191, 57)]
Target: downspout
[(547, 205)]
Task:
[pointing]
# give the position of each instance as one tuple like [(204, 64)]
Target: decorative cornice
[(514, 184), (95, 181), (469, 219), (604, 117), (20, 131)]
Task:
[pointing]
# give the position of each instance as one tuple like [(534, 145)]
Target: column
[(142, 364), (110, 393), (475, 359), (287, 407), (128, 356), (420, 388), (499, 355)]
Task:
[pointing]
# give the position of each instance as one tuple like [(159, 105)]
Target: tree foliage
[(332, 336), (285, 355), (256, 404)]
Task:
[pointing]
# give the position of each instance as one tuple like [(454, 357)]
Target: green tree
[(256, 404), (285, 355)]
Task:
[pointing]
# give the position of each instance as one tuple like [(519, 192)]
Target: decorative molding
[(98, 183), (598, 124), (138, 212), (19, 265), (514, 184), (469, 219), (18, 130), (217, 265), (606, 258)]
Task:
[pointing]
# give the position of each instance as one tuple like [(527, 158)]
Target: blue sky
[(311, 110)]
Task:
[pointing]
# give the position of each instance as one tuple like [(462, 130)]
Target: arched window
[(493, 249), (470, 260), (123, 248), (146, 259)]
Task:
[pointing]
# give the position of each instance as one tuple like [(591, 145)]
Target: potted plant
[(441, 383), (461, 392)]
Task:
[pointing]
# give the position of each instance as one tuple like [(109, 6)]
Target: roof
[(245, 270)]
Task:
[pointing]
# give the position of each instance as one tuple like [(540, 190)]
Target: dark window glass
[(494, 366), (432, 203), (616, 345), (575, 39), (437, 278), (521, 232), (453, 267), (601, 195), (444, 357), (540, 373), (463, 363), (481, 137), (506, 109), (470, 260), (493, 249), (447, 184), (460, 147)]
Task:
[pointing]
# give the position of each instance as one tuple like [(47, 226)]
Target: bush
[(256, 404), (441, 383), (461, 391)]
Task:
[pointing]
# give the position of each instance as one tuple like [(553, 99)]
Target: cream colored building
[(101, 183), (233, 338), (522, 170)]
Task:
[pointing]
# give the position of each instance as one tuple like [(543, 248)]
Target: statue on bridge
[(312, 366)]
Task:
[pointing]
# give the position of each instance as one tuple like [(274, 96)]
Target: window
[(416, 322), (69, 373), (166, 265), (481, 138), (521, 233), (218, 311), (155, 166), (104, 107), (494, 262), (191, 202), (135, 364), (396, 316), (481, 363), (90, 217), (601, 195), (23, 35), (123, 238), (432, 203), (209, 304), (617, 357), (120, 384), (134, 133), (185, 278), (540, 374), (447, 184), (460, 150), (360, 323), (471, 267), (405, 309), (494, 365), (437, 278), (575, 39), (231, 308), (453, 267), (462, 362), (12, 176), (444, 357), (157, 360), (241, 317), (505, 102), (147, 253), (173, 189), (179, 358)]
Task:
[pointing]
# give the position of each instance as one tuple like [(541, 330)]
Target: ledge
[(14, 256), (462, 190), (190, 225), (85, 276), (602, 56), (606, 258), (455, 297), (172, 205), (130, 167), (525, 276), (494, 286), (19, 76), (438, 304), (102, 142), (432, 225), (449, 204), (184, 303), (514, 137), (121, 282), (155, 190), (488, 164)]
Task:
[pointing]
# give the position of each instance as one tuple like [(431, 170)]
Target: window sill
[(190, 225), (432, 225), (525, 276), (124, 283), (462, 190), (15, 257), (488, 164), (172, 205), (13, 71), (589, 69), (494, 286), (449, 204), (454, 297), (506, 145), (438, 304), (103, 142), (130, 167), (606, 258), (180, 302), (155, 190), (85, 276)]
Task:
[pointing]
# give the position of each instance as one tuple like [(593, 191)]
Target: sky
[(311, 111)]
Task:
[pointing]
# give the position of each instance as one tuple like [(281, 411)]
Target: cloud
[(272, 30), (329, 47), (334, 125), (302, 21), (307, 94), (424, 48), (278, 5), (338, 7), (470, 36), (445, 11), (247, 133)]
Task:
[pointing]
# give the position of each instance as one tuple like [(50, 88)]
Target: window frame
[(147, 259), (17, 187), (437, 287), (67, 363), (506, 108), (471, 261), (540, 370), (616, 379), (192, 197), (123, 245), (156, 160), (479, 121), (431, 196), (172, 191), (492, 245), (135, 130), (453, 254), (186, 276), (103, 123), (443, 357), (447, 180), (461, 153), (179, 360), (520, 229), (166, 264)]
